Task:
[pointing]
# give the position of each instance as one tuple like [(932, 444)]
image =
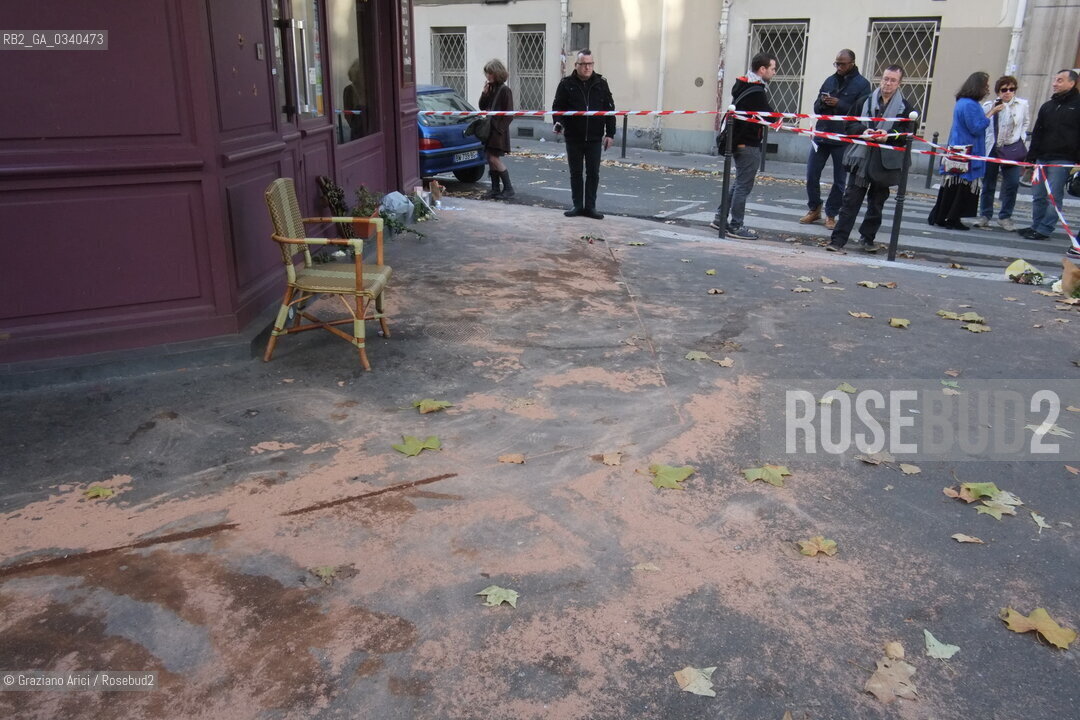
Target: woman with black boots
[(498, 96), (961, 179)]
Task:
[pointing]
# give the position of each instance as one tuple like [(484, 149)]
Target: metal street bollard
[(898, 213), (725, 196), (624, 119), (930, 163)]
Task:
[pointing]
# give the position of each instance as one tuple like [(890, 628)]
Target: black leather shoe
[(956, 225), (591, 213), (1031, 234), (574, 212)]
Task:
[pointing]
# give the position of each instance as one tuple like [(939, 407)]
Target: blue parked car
[(443, 145)]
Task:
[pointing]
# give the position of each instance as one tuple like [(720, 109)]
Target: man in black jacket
[(1055, 139), (748, 95), (842, 93), (586, 136)]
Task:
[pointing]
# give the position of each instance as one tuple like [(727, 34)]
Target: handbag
[(482, 127), (1016, 151), (953, 165), (1073, 186)]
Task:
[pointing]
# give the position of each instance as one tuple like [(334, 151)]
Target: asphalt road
[(688, 195)]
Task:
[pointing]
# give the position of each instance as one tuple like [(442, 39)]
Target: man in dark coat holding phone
[(586, 137), (842, 93)]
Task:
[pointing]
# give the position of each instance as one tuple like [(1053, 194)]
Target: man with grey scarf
[(873, 171)]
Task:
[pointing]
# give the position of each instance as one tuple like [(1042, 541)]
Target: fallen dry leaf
[(953, 373), (716, 291), (899, 322), (710, 272), (910, 469), (696, 680), (801, 289), (772, 474), (881, 456), (496, 595), (1074, 471), (859, 314), (937, 649), (976, 328), (867, 284), (891, 680), (427, 405), (817, 544), (962, 538), (894, 650), (1040, 520), (950, 391), (614, 458), (827, 281), (666, 476), (1040, 621), (646, 567), (515, 458), (326, 573)]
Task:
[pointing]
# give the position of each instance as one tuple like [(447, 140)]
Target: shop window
[(351, 25)]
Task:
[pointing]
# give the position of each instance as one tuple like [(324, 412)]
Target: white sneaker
[(1007, 224), (981, 222)]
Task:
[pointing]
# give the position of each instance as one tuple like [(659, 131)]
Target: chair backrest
[(285, 214)]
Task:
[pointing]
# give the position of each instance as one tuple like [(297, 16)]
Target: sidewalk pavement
[(269, 554)]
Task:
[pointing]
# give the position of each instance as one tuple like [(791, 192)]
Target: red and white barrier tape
[(620, 113)]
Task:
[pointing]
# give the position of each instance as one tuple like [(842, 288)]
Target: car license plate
[(462, 157)]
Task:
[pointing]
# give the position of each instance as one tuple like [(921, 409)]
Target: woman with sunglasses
[(1005, 139)]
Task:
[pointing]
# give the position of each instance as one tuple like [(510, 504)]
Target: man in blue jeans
[(1055, 140), (842, 93), (748, 95)]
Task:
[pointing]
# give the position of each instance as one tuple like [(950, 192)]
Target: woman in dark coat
[(498, 96), (959, 193)]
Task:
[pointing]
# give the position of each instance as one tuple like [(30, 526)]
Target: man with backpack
[(749, 95)]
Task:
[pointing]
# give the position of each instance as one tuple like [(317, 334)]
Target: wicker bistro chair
[(358, 285)]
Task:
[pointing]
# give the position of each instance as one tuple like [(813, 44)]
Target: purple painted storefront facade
[(132, 178)]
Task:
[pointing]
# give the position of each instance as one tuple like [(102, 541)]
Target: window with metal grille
[(448, 59), (526, 51), (787, 40), (911, 44)]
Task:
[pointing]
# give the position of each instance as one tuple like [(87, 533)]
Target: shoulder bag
[(481, 127), (954, 165)]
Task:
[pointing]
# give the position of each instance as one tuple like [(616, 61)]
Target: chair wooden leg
[(382, 320), (279, 324), (359, 332)]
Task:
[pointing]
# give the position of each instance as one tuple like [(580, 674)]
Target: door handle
[(300, 66)]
